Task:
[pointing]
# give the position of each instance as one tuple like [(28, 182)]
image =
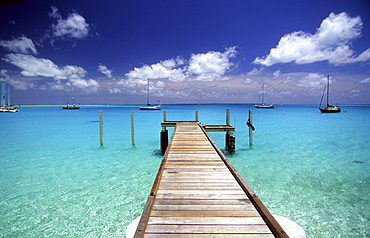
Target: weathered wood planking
[(195, 194)]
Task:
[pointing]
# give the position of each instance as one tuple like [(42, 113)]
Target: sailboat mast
[(327, 94), (147, 95), (67, 95), (8, 95), (263, 92), (3, 85)]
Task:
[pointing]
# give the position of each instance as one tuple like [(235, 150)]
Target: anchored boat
[(263, 104), (72, 106), (329, 108), (5, 99), (148, 105)]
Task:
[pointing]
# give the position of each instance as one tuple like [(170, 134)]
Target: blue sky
[(207, 51)]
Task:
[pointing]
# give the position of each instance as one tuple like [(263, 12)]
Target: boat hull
[(9, 109), (265, 106), (71, 108), (150, 108), (330, 109)]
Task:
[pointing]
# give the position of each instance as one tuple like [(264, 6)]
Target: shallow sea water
[(57, 181)]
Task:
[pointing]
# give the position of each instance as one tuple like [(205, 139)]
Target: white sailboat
[(263, 104), (148, 105), (329, 108), (69, 106), (5, 105)]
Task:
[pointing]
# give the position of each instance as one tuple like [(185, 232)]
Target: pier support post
[(230, 141), (164, 116), (132, 128), (228, 117), (164, 139), (251, 127), (101, 127), (196, 116), (230, 137)]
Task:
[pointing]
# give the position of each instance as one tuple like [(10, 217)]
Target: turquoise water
[(56, 180)]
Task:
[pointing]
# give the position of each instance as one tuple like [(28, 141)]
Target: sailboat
[(329, 108), (5, 99), (72, 106), (264, 105), (148, 105)]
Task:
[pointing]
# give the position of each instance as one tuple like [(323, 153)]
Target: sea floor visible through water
[(57, 181)]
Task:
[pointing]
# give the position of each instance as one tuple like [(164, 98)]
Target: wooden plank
[(199, 170), (201, 202), (199, 191), (184, 175), (141, 227), (187, 142), (202, 207), (189, 213), (207, 220), (193, 157), (187, 235), (201, 196), (193, 152), (194, 163), (199, 186), (206, 229)]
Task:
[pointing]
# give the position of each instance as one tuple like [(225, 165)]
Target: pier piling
[(164, 139), (228, 117), (164, 134), (132, 128), (230, 137), (251, 127), (101, 127), (164, 116)]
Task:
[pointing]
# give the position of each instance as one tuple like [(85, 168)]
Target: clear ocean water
[(57, 181)]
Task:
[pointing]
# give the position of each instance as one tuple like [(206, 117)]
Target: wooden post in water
[(132, 128), (164, 134), (251, 128), (230, 137), (228, 117), (164, 139), (101, 127), (196, 116)]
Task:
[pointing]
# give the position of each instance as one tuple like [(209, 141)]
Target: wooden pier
[(198, 193)]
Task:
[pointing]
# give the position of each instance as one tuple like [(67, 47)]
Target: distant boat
[(263, 104), (329, 108), (68, 106), (5, 99), (8, 109), (148, 105), (72, 106)]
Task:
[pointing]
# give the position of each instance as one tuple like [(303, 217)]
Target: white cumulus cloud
[(210, 66), (312, 80), (367, 80), (88, 85), (104, 70), (331, 42), (74, 26), (164, 69), (20, 45), (36, 67), (32, 66)]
